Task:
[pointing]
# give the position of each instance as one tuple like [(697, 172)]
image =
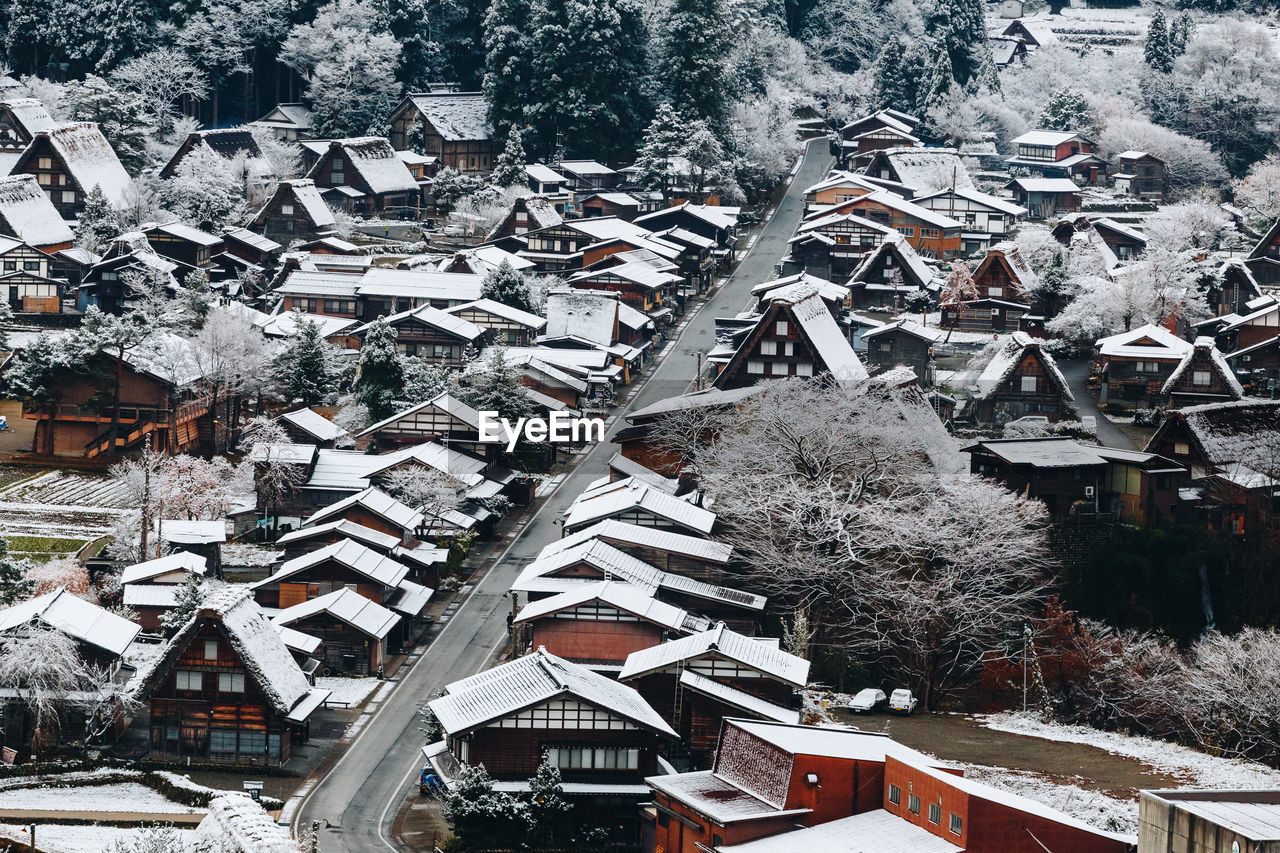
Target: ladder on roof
[(677, 705)]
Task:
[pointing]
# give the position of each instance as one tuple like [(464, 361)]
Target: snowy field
[(115, 797), (1093, 807), (348, 691), (61, 504), (53, 838)]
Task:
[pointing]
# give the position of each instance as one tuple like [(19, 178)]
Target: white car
[(867, 701), (901, 701)]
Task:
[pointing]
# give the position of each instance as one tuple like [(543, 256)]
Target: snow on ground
[(245, 554), (118, 796), (1194, 768), (1093, 807), (54, 838), (349, 691), (62, 504)]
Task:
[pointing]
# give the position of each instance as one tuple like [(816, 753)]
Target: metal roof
[(363, 614), (349, 553), (756, 654)]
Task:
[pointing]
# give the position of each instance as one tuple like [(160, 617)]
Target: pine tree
[(1067, 109), (98, 222), (960, 26), (1054, 282), (495, 386), (14, 584), (663, 140), (380, 381), (694, 64), (482, 817), (39, 376), (120, 116), (1180, 33), (303, 369), (508, 286), (892, 89), (547, 805), (939, 80), (186, 604), (195, 297), (1157, 51), (507, 62), (423, 380), (509, 168)]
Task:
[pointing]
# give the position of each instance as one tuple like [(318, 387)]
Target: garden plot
[(55, 838), (114, 798), (62, 504)]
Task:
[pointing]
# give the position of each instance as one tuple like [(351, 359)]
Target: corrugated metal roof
[(347, 605), (349, 553), (738, 698), (639, 496), (74, 617), (649, 537), (629, 598), (184, 561), (377, 502), (870, 832), (748, 651)]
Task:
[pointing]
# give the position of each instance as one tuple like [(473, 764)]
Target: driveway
[(1076, 372)]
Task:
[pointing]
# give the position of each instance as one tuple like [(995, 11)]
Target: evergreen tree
[(120, 116), (663, 140), (381, 378), (694, 62), (6, 317), (892, 88), (423, 380), (548, 808), (1067, 109), (960, 27), (195, 297), (495, 386), (98, 222), (1157, 51), (508, 170), (303, 370), (14, 584), (508, 286), (939, 80), (1054, 282), (586, 89), (187, 603), (1180, 33), (39, 375), (507, 67), (483, 818), (420, 55)]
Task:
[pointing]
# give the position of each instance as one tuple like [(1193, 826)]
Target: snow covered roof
[(1149, 341), (343, 527), (90, 159), (314, 424), (826, 289), (297, 641), (73, 616), (412, 597), (1229, 433), (466, 469), (377, 502), (621, 199), (435, 318), (819, 327), (1041, 452), (1206, 348), (712, 397), (720, 800), (29, 114), (285, 325), (1010, 354), (373, 158), (647, 537), (184, 531), (424, 285), (589, 314), (235, 823), (151, 594), (346, 605), (605, 229), (456, 116), (178, 561), (1003, 205), (583, 168), (532, 680), (185, 232), (483, 259), (544, 174), (925, 168), (27, 213), (910, 327), (1046, 185), (628, 598), (631, 468), (365, 561), (1026, 277), (445, 402), (735, 698), (294, 116), (635, 272), (307, 195), (876, 831), (498, 309), (757, 654), (1046, 137), (638, 496), (841, 178), (897, 245)]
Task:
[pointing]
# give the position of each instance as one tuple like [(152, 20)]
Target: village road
[(360, 797)]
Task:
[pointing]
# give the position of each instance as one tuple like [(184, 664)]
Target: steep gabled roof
[(1011, 353), (27, 213), (375, 501), (1228, 433), (456, 116), (588, 314), (919, 273), (29, 114), (445, 402), (1149, 341), (314, 424), (305, 194), (532, 680), (633, 496), (921, 169), (761, 655), (235, 823), (89, 158), (433, 317), (373, 158), (1207, 351), (84, 622)]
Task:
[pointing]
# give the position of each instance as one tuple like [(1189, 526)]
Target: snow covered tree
[(695, 44), (960, 27), (139, 478), (1258, 193), (451, 186), (119, 116), (225, 37), (893, 87), (423, 380), (508, 170), (205, 191), (431, 491), (547, 806), (586, 88), (958, 287), (151, 839), (60, 572), (850, 34), (709, 168), (482, 817), (117, 336), (44, 669), (303, 368), (507, 63), (231, 357), (275, 475), (663, 141), (98, 222), (1156, 51), (380, 381), (1181, 29), (1067, 109), (14, 584), (186, 604), (508, 286), (162, 78), (39, 375), (494, 386)]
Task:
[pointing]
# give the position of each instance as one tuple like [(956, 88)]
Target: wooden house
[(111, 284), (696, 264), (227, 691), (307, 426), (1033, 33), (252, 247), (1233, 290), (501, 323), (832, 246), (601, 735), (294, 212), (1004, 282), (422, 560), (911, 171), (986, 219), (151, 587), (1264, 258), (672, 551), (432, 335), (903, 342), (634, 502), (528, 213), (373, 509), (1136, 365), (1203, 376), (481, 260), (795, 336), (20, 120), (453, 126), (1071, 478), (1059, 154), (287, 122), (236, 145), (546, 181), (443, 419), (713, 222), (599, 624), (618, 204), (184, 244), (1007, 51), (931, 234), (835, 295), (27, 214), (68, 160), (891, 275), (1045, 198), (586, 176), (365, 175), (645, 283), (352, 629), (1022, 379), (25, 281), (1142, 174), (839, 186), (861, 138), (695, 682)]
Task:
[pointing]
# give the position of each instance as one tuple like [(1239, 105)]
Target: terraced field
[(61, 505)]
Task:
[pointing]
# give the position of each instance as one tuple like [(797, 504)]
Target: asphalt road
[(1076, 372), (360, 797)]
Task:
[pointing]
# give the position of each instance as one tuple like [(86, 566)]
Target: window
[(1200, 377), (222, 741), (186, 679), (804, 368), (886, 346), (1181, 448), (930, 233), (907, 230), (44, 179), (273, 746), (1147, 367), (586, 758), (253, 743), (44, 162), (895, 795), (995, 291), (231, 682), (789, 348), (768, 347), (10, 266), (913, 804), (339, 306), (286, 209), (1028, 384), (755, 365), (68, 196), (781, 328), (956, 824), (31, 266), (935, 814)]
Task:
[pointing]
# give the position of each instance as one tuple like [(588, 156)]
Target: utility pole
[(1026, 634)]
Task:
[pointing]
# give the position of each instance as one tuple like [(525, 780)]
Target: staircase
[(125, 439)]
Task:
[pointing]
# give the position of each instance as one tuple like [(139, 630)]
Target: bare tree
[(424, 488), (231, 357)]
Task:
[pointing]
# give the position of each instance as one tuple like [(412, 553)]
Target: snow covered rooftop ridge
[(648, 537), (26, 212), (84, 622), (373, 158), (1229, 433), (711, 398), (179, 561), (30, 114), (90, 159), (237, 824), (498, 309), (314, 424), (819, 327), (750, 652), (456, 116), (1011, 353), (1149, 341), (375, 501), (350, 529), (926, 168), (639, 496), (620, 595), (355, 556), (589, 314), (532, 680), (345, 605), (896, 245), (1205, 349)]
